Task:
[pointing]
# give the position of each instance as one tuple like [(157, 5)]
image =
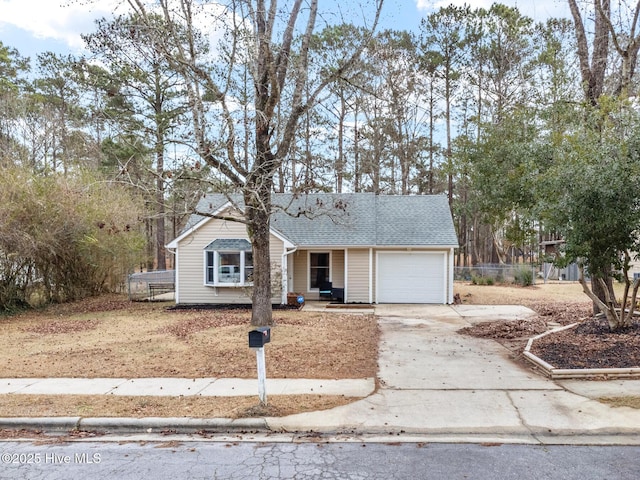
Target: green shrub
[(524, 277), (64, 237), (478, 280)]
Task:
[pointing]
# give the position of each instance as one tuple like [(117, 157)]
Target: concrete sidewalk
[(178, 387), (434, 385)]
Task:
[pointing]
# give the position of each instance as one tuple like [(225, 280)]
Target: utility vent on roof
[(231, 244)]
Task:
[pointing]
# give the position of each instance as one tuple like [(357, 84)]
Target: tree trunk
[(599, 306), (150, 250), (356, 151), (592, 70), (474, 243), (340, 160), (448, 124), (161, 263), (431, 132), (600, 293), (258, 206)]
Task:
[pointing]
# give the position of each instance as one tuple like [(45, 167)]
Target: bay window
[(229, 262)]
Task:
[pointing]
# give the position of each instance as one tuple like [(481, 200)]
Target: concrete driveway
[(435, 382)]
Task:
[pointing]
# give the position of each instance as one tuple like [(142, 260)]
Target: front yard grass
[(114, 338), (111, 337)]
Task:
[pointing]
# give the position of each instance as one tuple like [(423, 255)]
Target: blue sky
[(36, 26)]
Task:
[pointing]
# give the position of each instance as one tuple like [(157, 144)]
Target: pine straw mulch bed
[(588, 345)]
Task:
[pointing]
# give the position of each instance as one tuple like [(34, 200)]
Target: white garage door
[(411, 277)]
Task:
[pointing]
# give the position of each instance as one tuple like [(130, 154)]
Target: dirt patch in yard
[(632, 402)]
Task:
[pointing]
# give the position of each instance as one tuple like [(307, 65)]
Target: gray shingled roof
[(355, 219), (232, 244)]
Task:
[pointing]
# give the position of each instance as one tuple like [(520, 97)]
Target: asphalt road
[(221, 460)]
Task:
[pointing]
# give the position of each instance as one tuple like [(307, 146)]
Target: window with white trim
[(229, 262), (319, 269)]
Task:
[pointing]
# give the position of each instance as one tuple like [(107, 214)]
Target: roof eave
[(344, 246), (174, 243)]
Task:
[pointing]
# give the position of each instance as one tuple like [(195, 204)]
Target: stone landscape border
[(574, 373)]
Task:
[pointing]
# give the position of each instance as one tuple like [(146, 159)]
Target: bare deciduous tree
[(273, 41)]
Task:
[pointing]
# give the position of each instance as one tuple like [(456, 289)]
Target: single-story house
[(355, 248)]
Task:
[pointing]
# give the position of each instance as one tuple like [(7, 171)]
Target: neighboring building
[(553, 249), (356, 248)]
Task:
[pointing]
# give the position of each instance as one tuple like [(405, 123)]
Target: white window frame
[(309, 289), (216, 269)]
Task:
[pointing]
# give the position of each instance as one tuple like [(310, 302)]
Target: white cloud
[(62, 20), (539, 10), (431, 5)]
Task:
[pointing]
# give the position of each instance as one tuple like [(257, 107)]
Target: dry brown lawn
[(632, 402), (114, 338), (148, 406), (516, 295)]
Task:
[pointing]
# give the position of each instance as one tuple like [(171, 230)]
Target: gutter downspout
[(450, 270), (285, 274), (371, 276)]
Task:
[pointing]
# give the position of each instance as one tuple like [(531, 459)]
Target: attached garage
[(411, 277)]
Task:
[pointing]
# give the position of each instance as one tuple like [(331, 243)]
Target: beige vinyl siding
[(300, 273), (358, 275), (191, 264), (337, 268), (374, 276)]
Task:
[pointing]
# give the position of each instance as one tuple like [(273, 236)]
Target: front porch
[(317, 274)]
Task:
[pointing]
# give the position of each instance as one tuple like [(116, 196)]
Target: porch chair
[(325, 290)]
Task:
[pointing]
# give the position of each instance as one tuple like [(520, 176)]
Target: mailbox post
[(257, 340)]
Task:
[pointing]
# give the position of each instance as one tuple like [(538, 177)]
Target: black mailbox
[(259, 336)]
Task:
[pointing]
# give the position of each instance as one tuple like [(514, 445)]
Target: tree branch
[(632, 305), (300, 108), (581, 36)]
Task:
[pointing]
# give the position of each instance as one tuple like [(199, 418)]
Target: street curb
[(122, 425), (172, 424), (576, 373), (49, 424), (167, 427), (522, 431)]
